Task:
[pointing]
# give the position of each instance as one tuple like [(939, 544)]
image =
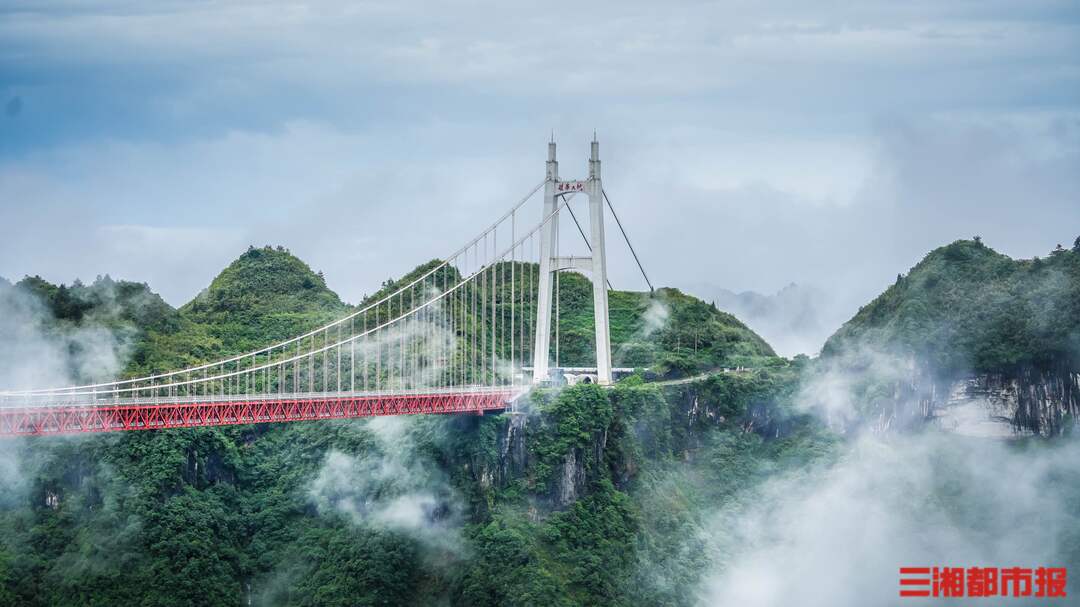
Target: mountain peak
[(966, 306), (266, 277), (265, 293)]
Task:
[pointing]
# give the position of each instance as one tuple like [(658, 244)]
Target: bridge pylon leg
[(599, 268), (542, 348)]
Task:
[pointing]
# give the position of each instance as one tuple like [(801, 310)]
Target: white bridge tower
[(595, 264)]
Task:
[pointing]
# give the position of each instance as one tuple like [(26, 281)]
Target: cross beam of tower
[(595, 263)]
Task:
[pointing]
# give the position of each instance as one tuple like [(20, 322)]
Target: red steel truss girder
[(67, 419)]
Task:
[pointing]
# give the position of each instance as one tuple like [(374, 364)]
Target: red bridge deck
[(67, 419)]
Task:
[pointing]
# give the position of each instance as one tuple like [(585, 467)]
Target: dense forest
[(416, 510), (968, 319), (966, 307), (635, 495)]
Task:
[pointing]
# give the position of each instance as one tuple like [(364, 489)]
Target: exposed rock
[(571, 482), (513, 451), (1000, 405), (570, 478), (972, 410)]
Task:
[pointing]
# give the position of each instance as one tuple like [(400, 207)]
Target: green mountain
[(634, 495), (675, 333), (969, 339), (105, 301), (551, 507), (266, 295), (966, 307), (80, 327)]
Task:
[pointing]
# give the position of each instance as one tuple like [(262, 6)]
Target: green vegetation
[(629, 540), (965, 307), (221, 516), (673, 332), (592, 496), (266, 295)]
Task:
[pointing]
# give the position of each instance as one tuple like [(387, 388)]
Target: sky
[(745, 145)]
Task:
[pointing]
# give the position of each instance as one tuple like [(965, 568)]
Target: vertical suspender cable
[(558, 299), (378, 354), (513, 262), (352, 356), (494, 307), (401, 343)]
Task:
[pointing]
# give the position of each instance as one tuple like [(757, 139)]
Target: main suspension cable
[(362, 308), (627, 239)]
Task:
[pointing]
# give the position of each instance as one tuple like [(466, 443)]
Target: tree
[(1076, 245)]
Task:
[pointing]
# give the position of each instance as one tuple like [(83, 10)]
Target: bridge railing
[(463, 324)]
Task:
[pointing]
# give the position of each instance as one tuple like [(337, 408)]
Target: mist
[(394, 485), (41, 351), (896, 494), (654, 319), (795, 320), (838, 535)]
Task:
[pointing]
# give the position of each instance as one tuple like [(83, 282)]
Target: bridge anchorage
[(459, 338)]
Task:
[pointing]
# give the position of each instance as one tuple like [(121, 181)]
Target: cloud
[(795, 320), (837, 536), (928, 182), (757, 144), (41, 352), (502, 47), (837, 531), (393, 487)]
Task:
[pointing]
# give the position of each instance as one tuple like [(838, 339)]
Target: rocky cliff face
[(645, 424), (570, 476), (1031, 402), (569, 479), (1028, 402)]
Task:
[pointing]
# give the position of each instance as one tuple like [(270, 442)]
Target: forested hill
[(636, 495), (966, 307), (969, 340), (549, 508), (268, 295)]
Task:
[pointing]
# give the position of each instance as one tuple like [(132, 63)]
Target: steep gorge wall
[(1024, 402), (558, 449), (1028, 402)]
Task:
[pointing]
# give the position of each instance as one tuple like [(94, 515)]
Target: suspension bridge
[(470, 335)]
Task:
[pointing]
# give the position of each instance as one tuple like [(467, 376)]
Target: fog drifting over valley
[(837, 536), (835, 533)]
